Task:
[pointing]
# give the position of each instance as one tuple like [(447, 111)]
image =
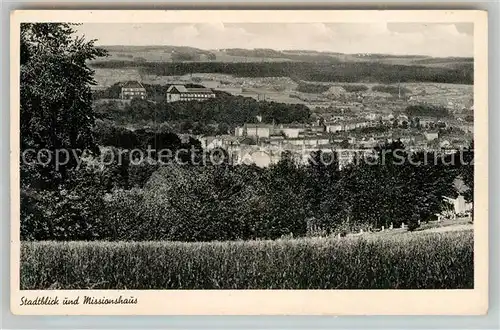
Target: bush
[(413, 222), (63, 216)]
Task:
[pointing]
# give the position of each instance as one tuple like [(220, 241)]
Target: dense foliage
[(227, 109), (312, 88), (204, 202), (325, 72), (427, 110), (355, 88), (391, 89), (55, 109)]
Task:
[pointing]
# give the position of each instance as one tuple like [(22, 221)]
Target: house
[(402, 118), (316, 128), (426, 121), (445, 144), (466, 127), (371, 116), (133, 90), (291, 132), (429, 136), (333, 128), (255, 130), (221, 141), (182, 93), (460, 206)]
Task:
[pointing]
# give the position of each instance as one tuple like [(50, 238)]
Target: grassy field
[(412, 261)]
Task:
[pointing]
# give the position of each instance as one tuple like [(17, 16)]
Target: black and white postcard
[(249, 162)]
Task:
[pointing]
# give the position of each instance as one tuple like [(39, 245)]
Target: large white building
[(133, 90), (182, 93)]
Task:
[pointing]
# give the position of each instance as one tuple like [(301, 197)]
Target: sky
[(433, 39)]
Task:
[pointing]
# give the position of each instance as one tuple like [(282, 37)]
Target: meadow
[(406, 261)]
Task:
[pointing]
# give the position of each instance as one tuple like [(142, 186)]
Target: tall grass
[(406, 261)]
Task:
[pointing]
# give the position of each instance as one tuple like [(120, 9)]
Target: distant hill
[(178, 54)]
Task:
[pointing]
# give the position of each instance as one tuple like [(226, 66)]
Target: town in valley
[(171, 156)]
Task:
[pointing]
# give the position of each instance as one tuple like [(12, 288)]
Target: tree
[(467, 171), (282, 208), (56, 101)]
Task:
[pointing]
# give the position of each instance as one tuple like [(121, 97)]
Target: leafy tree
[(55, 110), (467, 171), (203, 203), (282, 207)]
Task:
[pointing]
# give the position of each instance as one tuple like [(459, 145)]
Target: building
[(429, 136), (402, 118), (182, 93), (291, 132), (371, 116), (255, 130), (333, 128), (221, 141), (133, 90), (460, 206)]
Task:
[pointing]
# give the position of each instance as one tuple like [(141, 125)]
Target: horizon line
[(284, 50)]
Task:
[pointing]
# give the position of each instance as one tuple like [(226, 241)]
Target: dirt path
[(448, 228)]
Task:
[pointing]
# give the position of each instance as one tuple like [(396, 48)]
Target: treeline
[(223, 202), (391, 89), (312, 88), (355, 88), (427, 110), (325, 72), (305, 56), (227, 109), (108, 134)]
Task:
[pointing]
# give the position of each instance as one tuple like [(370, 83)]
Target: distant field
[(411, 261), (279, 89)]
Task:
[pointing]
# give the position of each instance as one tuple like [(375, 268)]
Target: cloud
[(391, 38), (185, 32)]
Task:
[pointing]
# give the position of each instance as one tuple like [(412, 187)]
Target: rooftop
[(184, 89), (132, 84)]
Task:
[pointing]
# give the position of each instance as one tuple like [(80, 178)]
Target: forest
[(322, 72), (224, 109)]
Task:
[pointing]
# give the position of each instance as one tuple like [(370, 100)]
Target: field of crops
[(407, 261)]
